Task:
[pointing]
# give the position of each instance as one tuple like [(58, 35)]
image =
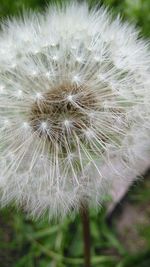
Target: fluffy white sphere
[(73, 108)]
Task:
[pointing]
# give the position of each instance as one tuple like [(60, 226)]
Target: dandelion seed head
[(73, 97)]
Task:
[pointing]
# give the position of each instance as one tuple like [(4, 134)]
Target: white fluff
[(91, 75)]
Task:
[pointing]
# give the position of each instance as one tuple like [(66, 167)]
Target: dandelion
[(73, 108)]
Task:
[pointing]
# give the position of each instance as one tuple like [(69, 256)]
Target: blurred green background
[(122, 240)]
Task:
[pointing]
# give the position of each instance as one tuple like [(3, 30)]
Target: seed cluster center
[(61, 113)]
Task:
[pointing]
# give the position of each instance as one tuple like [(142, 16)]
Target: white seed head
[(74, 108)]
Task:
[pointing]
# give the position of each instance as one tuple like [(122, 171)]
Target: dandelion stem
[(84, 212)]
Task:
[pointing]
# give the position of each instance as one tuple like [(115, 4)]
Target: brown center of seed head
[(61, 113)]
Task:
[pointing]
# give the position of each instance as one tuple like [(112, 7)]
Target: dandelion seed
[(48, 74), (26, 125), (2, 87), (76, 79), (38, 96)]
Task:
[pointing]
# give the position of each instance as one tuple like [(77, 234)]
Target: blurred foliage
[(24, 243)]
